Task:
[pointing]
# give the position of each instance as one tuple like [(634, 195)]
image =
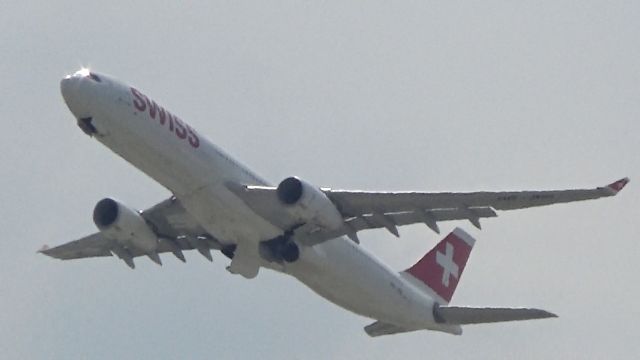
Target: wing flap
[(368, 221), (373, 221)]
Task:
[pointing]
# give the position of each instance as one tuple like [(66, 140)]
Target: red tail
[(441, 268)]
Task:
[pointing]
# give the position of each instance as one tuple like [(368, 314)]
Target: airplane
[(295, 228)]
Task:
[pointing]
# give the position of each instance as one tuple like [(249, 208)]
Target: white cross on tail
[(449, 268)]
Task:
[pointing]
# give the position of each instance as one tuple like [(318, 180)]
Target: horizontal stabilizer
[(380, 328), (467, 315)]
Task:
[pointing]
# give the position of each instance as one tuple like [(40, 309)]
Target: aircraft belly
[(340, 272)]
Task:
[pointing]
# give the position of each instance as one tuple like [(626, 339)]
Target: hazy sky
[(376, 95)]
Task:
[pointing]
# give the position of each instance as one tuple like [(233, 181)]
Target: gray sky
[(374, 95)]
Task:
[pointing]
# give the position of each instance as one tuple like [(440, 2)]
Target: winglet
[(44, 248), (617, 186)]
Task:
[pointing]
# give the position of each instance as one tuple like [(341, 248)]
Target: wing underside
[(176, 230), (370, 210)]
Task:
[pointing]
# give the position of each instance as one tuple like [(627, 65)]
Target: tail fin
[(441, 268)]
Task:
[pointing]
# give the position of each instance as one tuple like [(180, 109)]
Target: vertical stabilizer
[(441, 268)]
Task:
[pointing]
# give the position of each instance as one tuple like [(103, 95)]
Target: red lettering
[(180, 130), (162, 115), (193, 138), (171, 117), (138, 102), (153, 108)]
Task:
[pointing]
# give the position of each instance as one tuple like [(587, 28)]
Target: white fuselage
[(195, 170)]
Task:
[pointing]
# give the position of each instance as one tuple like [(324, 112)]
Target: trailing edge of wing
[(95, 245), (368, 221)]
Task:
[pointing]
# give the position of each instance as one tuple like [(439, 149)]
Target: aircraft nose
[(67, 86), (75, 92)]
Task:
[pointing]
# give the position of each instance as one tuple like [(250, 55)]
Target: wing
[(176, 230), (368, 210), (93, 245), (355, 203)]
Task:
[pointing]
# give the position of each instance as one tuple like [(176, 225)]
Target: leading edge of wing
[(358, 202), (611, 189)]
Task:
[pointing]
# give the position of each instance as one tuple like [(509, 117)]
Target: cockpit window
[(84, 72), (94, 77)]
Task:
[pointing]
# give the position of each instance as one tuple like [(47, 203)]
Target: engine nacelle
[(125, 225), (309, 204)]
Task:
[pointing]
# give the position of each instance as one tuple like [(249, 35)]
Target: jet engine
[(309, 204), (125, 225)]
